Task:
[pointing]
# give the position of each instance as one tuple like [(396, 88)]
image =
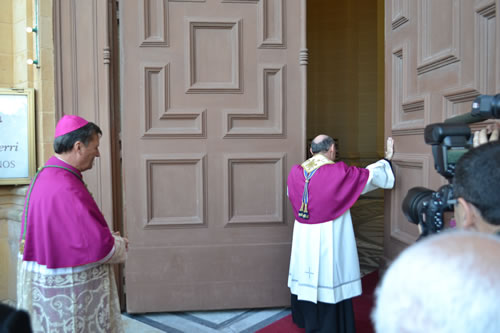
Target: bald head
[(320, 138), (446, 283), (323, 144)]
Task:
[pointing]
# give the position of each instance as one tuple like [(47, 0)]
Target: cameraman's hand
[(389, 150), (481, 137)]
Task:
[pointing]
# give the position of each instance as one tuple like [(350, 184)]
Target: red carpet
[(362, 308), (363, 304)]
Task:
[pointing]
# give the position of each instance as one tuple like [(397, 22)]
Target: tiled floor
[(8, 302), (368, 220), (244, 321)]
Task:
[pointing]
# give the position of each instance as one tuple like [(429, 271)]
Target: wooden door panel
[(206, 277), (167, 207), (213, 108), (83, 66), (411, 170), (440, 55)]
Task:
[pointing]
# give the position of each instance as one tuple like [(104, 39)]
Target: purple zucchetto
[(69, 123)]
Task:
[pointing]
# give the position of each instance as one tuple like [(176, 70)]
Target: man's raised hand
[(389, 150)]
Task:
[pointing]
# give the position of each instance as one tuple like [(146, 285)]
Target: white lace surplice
[(74, 299)]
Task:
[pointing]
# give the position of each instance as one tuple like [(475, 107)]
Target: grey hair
[(64, 143), (322, 146), (444, 283)]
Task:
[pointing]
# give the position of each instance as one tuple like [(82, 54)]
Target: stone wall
[(11, 207), (16, 46), (6, 43)]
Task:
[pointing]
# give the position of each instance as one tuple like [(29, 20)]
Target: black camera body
[(426, 207), (449, 141)]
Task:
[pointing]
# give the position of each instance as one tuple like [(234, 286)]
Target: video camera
[(449, 141)]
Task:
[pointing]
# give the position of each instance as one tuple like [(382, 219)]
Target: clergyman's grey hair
[(323, 146), (64, 143)]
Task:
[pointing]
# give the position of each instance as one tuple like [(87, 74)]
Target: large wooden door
[(439, 55), (213, 107)]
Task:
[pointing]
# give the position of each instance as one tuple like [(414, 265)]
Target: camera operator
[(451, 140), (477, 183), (447, 282), (473, 179)]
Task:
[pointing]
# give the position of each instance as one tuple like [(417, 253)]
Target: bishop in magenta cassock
[(65, 278), (324, 269)]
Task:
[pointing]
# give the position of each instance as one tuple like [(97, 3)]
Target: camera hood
[(435, 134)]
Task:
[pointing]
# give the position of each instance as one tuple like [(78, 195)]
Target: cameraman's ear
[(466, 214)]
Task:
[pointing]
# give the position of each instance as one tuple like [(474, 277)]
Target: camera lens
[(487, 106), (414, 201)]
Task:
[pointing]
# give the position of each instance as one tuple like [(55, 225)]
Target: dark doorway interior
[(346, 98)]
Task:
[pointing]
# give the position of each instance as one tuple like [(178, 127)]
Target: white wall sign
[(17, 136)]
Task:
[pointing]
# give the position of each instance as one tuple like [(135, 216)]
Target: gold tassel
[(301, 211), (21, 247), (305, 213)]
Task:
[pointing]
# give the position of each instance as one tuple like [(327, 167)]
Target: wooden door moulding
[(412, 127), (303, 63), (264, 113), (429, 59), (455, 97), (166, 122), (399, 21), (409, 114), (193, 65), (437, 62), (399, 78), (266, 39), (401, 13), (241, 1), (58, 59), (485, 40), (147, 38), (198, 218), (486, 8), (400, 162), (274, 161)]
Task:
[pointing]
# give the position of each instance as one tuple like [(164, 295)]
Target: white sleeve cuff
[(381, 176), (118, 253)]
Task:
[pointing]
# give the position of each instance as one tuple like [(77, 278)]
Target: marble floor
[(368, 220), (242, 321)]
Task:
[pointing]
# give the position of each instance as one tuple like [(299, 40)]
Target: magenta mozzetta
[(332, 190), (58, 232)]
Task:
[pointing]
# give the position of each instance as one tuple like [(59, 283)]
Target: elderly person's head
[(77, 141), (445, 283), (323, 144)]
